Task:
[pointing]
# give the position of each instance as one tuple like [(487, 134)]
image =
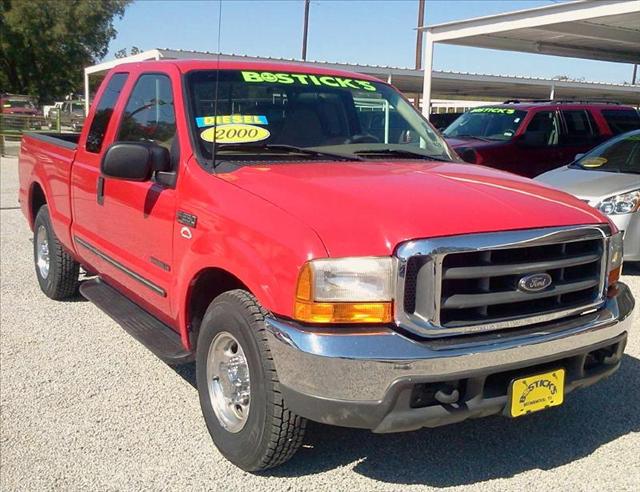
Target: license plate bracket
[(536, 392)]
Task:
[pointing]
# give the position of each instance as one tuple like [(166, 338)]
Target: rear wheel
[(58, 273), (238, 385)]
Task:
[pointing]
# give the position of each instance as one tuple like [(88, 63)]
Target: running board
[(147, 329)]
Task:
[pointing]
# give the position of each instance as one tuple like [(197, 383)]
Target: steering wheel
[(361, 138)]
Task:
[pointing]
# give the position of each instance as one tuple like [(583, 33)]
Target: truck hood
[(590, 184), (368, 208)]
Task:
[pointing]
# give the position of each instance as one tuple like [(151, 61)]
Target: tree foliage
[(123, 52), (45, 44)]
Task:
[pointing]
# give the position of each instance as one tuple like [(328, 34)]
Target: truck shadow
[(631, 268), (485, 449), (475, 450)]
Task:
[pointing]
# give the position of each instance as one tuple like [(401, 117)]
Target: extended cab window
[(149, 115), (103, 113), (542, 130), (622, 120), (581, 128), (255, 114)]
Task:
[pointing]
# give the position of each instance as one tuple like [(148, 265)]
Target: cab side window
[(149, 115), (581, 128), (103, 113), (542, 130)]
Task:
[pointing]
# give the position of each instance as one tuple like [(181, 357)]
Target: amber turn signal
[(308, 310), (614, 276)]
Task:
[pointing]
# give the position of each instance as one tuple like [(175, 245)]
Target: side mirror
[(578, 156), (468, 155), (134, 161)]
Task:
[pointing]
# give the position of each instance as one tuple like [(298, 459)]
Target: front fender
[(243, 234)]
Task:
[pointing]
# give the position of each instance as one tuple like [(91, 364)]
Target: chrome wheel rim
[(42, 252), (228, 382)]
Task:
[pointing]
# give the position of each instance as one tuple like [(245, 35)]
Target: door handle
[(100, 190)]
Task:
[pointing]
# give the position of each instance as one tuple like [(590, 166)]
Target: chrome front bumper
[(361, 379)]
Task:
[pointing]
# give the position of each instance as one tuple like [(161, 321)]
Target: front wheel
[(238, 385)]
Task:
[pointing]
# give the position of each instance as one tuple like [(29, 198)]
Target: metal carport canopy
[(591, 29), (445, 85)]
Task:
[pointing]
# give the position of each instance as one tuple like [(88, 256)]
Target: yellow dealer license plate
[(535, 393)]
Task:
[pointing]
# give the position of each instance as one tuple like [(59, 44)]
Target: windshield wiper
[(405, 152), (289, 148), (484, 139)]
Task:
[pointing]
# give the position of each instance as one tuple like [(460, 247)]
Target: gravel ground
[(84, 406)]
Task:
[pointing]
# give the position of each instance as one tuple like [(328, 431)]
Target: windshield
[(77, 108), (618, 155), (259, 113), (487, 124)]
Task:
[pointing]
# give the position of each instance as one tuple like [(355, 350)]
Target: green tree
[(45, 44), (123, 52)]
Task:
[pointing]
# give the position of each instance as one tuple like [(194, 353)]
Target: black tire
[(272, 433), (62, 280)]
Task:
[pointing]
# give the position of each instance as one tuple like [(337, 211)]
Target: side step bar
[(144, 327)]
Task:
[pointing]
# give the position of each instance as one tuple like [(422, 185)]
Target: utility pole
[(419, 34), (305, 31), (635, 74)]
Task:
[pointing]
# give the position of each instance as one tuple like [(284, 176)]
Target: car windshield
[(254, 115), (618, 155), (487, 123)]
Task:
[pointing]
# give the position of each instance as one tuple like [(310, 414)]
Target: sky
[(378, 32)]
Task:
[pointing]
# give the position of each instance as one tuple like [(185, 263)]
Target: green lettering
[(301, 78), (315, 80), (251, 77), (268, 77), (284, 78), (347, 83), (366, 85), (330, 81)]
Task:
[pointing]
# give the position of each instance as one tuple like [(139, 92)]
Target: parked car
[(608, 178), (16, 104), (18, 112), (532, 138), (71, 115), (316, 270)]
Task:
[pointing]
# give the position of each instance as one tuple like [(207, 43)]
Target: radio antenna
[(215, 92)]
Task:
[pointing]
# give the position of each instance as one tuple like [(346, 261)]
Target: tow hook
[(447, 395)]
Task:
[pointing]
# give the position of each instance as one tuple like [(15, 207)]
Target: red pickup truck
[(316, 261)]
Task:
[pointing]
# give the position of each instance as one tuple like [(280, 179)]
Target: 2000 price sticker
[(235, 133)]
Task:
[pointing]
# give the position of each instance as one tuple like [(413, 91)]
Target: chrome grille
[(466, 284)]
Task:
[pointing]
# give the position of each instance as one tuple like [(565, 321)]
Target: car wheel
[(238, 386), (58, 273)]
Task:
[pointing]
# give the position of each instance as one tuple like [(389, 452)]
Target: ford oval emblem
[(535, 282)]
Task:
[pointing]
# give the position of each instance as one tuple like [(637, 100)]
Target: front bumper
[(376, 380)]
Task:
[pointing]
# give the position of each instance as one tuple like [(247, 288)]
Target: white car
[(608, 178)]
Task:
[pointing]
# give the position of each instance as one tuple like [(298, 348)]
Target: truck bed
[(67, 140), (45, 162)]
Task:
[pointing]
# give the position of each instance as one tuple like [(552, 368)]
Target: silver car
[(608, 178)]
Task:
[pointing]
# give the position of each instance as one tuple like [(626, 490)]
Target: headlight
[(615, 258), (345, 290), (620, 204)]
